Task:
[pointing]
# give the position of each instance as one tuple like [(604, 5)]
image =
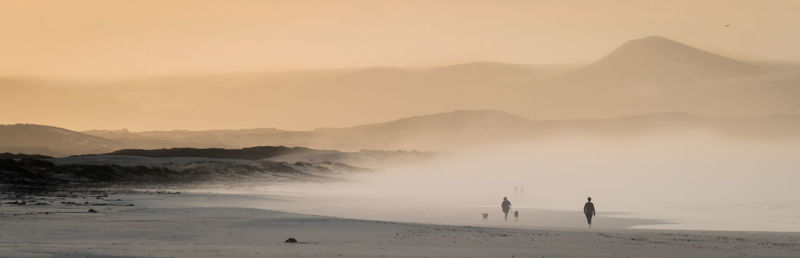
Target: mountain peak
[(654, 38), (659, 59), (657, 45)]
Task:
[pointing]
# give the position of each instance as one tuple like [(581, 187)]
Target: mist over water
[(678, 180)]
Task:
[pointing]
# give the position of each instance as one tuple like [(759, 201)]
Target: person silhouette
[(506, 205), (588, 210)]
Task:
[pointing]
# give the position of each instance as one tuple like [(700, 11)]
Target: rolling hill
[(655, 75), (657, 59), (436, 132), (50, 140), (475, 129), (648, 75)]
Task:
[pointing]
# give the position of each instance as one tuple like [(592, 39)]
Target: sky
[(141, 38)]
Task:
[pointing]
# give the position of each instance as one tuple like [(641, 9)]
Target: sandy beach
[(168, 224), (363, 128)]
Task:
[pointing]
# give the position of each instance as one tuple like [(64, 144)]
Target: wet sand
[(167, 224)]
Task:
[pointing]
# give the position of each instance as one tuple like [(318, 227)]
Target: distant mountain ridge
[(436, 132), (651, 75), (657, 58), (655, 74), (648, 75), (480, 119)]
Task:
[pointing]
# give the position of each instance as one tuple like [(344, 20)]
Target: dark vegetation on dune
[(7, 155), (253, 153), (40, 171)]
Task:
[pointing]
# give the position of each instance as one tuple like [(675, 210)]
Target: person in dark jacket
[(588, 210), (506, 205)]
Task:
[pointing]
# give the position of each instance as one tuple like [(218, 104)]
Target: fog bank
[(694, 180)]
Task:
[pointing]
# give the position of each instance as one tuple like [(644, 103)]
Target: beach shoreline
[(156, 224)]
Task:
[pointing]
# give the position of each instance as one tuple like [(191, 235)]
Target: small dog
[(485, 216), (516, 216)]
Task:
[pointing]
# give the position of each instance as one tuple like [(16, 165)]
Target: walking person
[(588, 210), (506, 205)]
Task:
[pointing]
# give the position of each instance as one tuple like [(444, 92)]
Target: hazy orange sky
[(124, 38)]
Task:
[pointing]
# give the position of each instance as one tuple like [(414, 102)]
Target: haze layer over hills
[(648, 75), (437, 132)]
